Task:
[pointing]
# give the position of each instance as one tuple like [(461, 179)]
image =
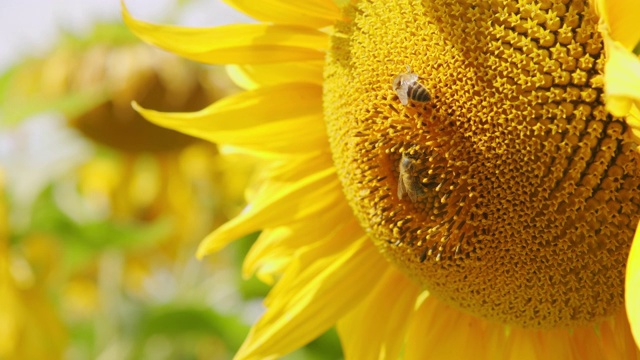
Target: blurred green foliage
[(142, 324)]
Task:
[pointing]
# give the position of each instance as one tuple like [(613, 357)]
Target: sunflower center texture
[(508, 192)]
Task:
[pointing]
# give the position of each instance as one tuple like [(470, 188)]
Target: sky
[(31, 27)]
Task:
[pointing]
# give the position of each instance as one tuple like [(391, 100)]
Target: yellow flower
[(622, 78), (30, 328), (493, 221)]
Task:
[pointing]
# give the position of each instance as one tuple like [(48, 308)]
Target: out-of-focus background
[(100, 211)]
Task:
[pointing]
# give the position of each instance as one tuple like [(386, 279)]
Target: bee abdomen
[(418, 93)]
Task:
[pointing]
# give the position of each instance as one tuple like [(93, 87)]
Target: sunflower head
[(135, 72), (522, 192)]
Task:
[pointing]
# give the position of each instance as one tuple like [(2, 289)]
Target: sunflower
[(491, 218), (30, 328)]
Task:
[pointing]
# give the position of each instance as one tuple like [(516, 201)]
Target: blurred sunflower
[(523, 192), (30, 327), (142, 171)]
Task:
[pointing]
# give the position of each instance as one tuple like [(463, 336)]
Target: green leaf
[(71, 104), (83, 241), (182, 322)]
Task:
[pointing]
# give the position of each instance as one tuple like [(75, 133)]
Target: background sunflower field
[(100, 211)]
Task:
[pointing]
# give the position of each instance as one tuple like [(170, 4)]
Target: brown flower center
[(129, 73)]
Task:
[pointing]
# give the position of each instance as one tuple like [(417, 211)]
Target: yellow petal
[(265, 258), (622, 79), (633, 120), (611, 339), (347, 233), (278, 205), (282, 172), (253, 76), (446, 333), (632, 287), (234, 44), (539, 345), (314, 13), (549, 345), (375, 329), (621, 18), (280, 244), (311, 301), (285, 118), (616, 340)]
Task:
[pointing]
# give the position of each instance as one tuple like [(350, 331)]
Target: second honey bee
[(409, 181), (408, 87)]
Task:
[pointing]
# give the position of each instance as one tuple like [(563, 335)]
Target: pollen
[(526, 192)]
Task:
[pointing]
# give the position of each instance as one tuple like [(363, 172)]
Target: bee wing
[(401, 189), (403, 94), (413, 195), (415, 189)]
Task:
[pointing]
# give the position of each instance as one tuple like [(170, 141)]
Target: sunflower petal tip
[(202, 251), (137, 107), (125, 12), (632, 293), (210, 245), (248, 352)]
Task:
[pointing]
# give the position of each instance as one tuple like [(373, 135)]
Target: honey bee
[(408, 181), (408, 87)]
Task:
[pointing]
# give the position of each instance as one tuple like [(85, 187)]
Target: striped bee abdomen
[(417, 92)]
